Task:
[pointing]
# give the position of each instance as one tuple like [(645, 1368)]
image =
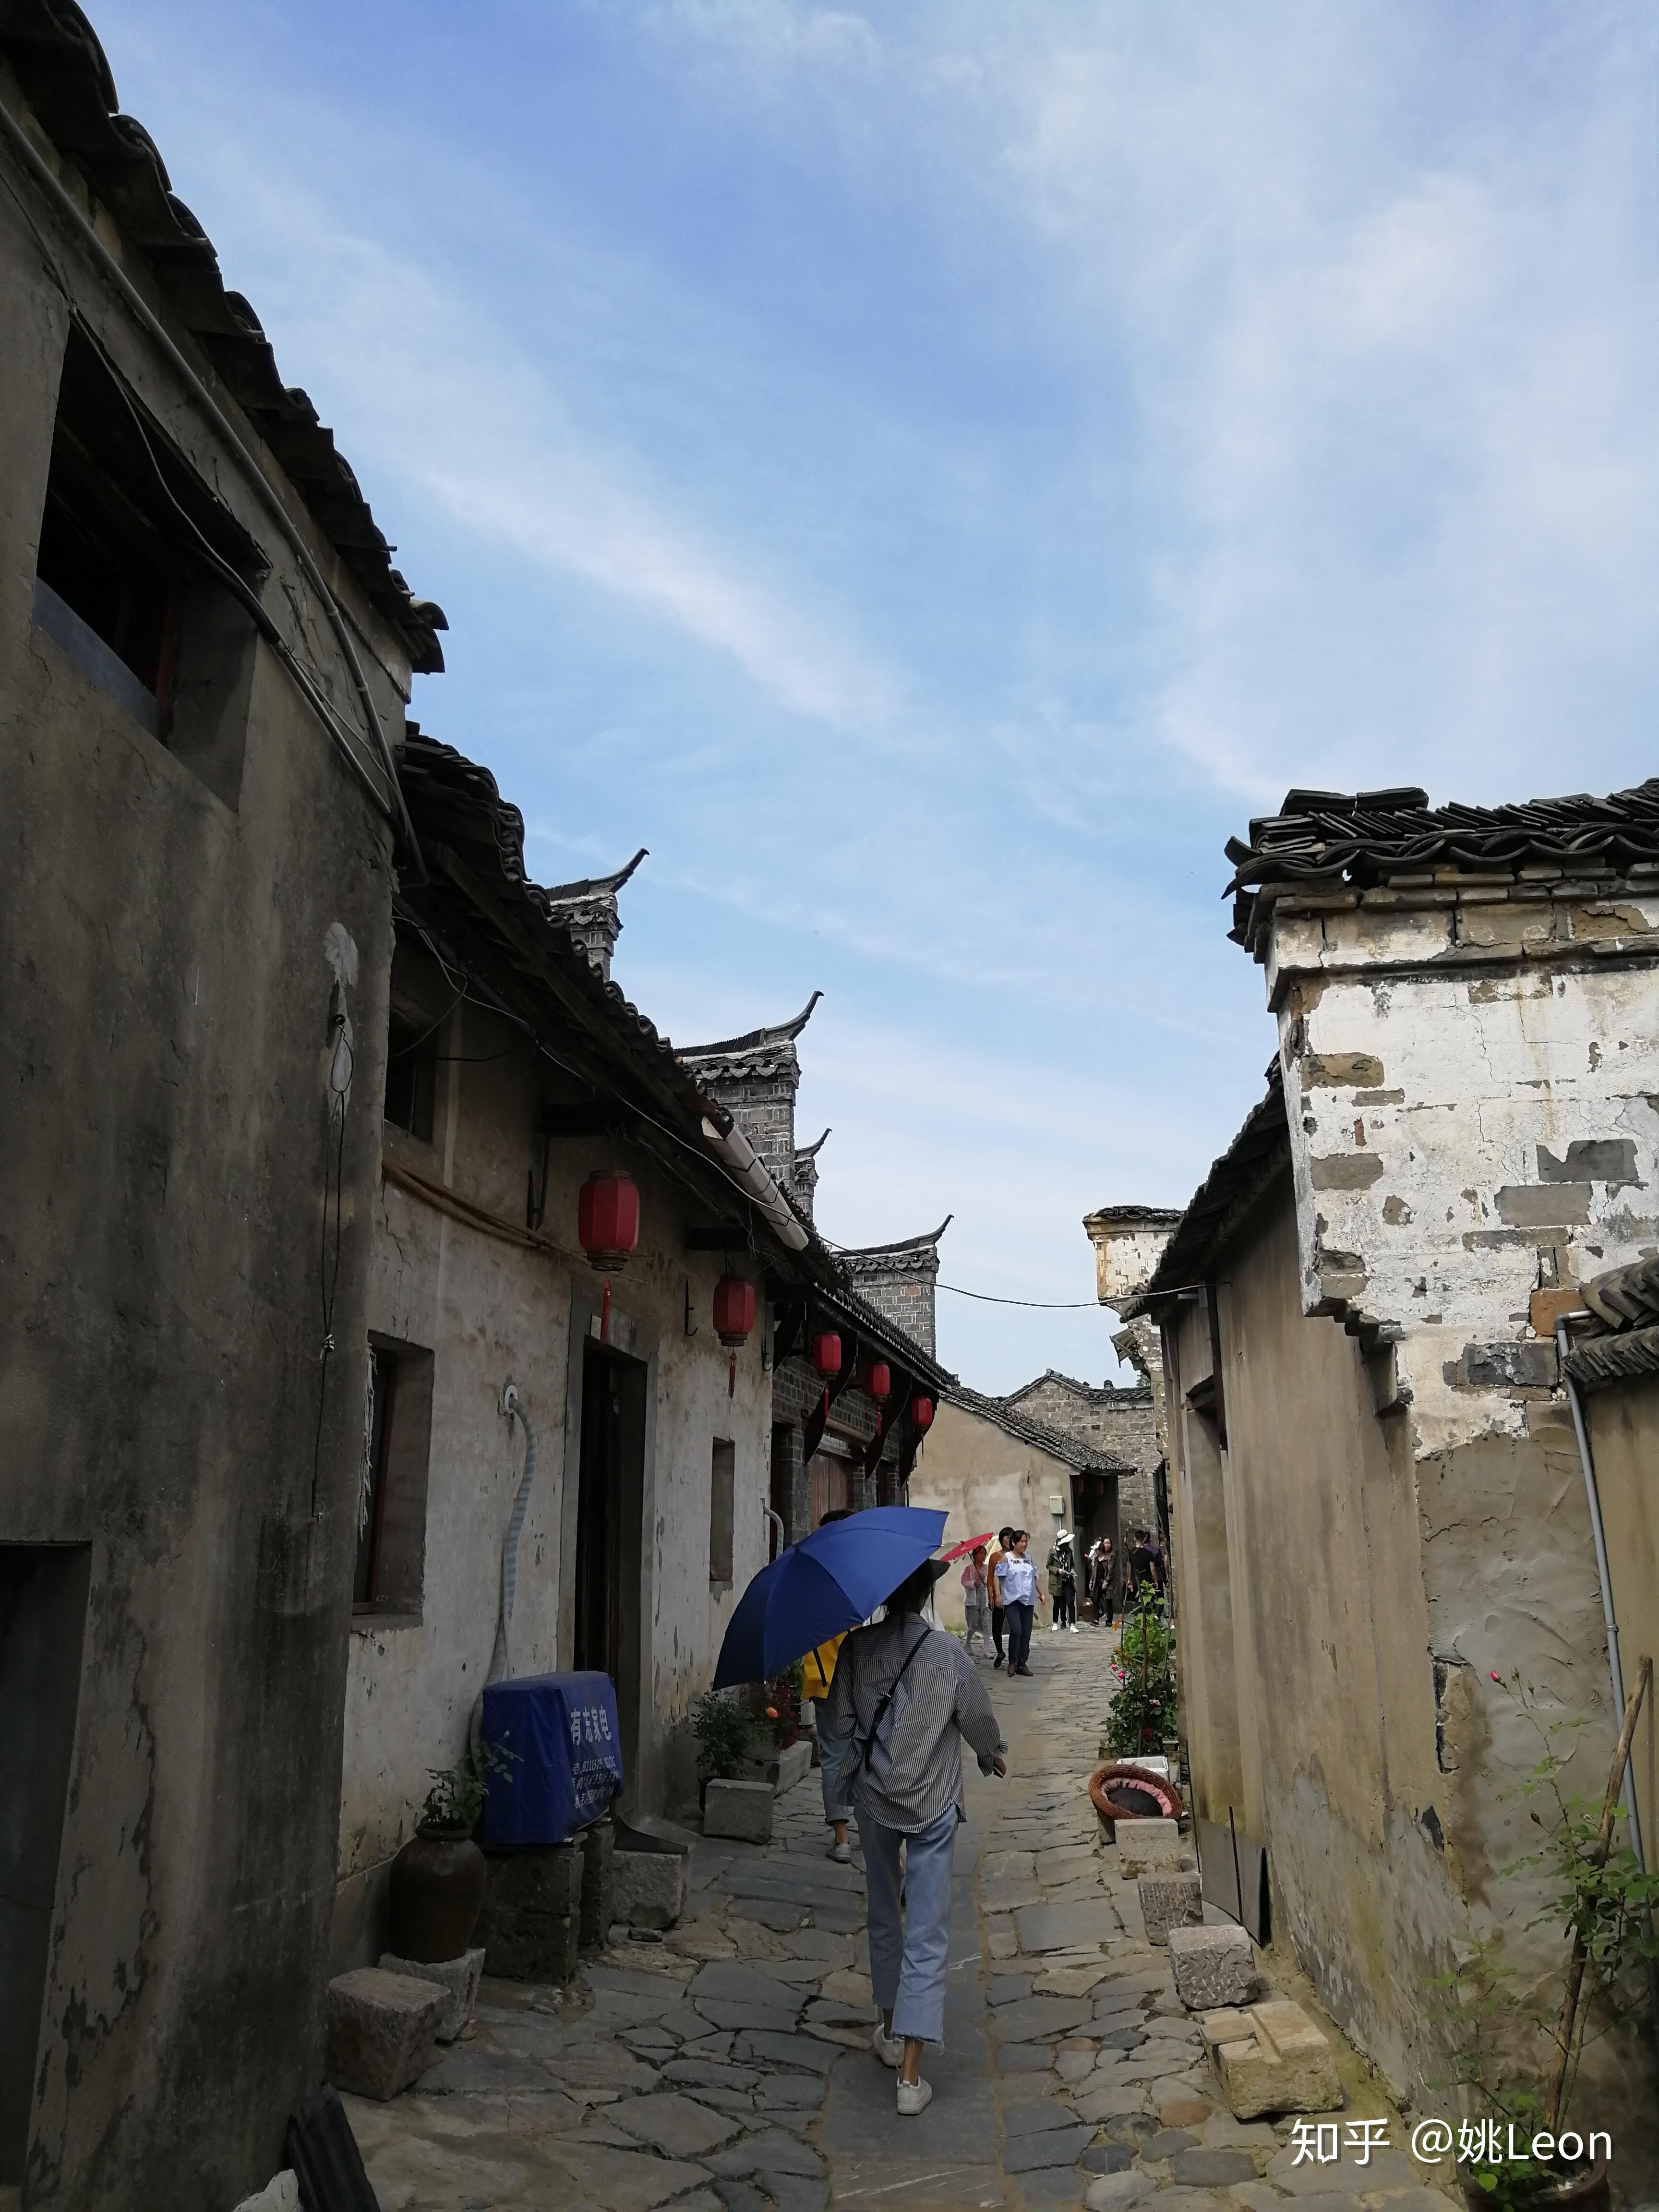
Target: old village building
[(205, 658), (1381, 1512), (607, 1456)]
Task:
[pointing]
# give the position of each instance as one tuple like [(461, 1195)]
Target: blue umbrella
[(830, 1581)]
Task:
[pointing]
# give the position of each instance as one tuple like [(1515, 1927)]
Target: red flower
[(1496, 1677)]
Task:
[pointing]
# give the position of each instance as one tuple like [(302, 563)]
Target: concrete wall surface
[(1624, 1432), (984, 1479), (172, 1188)]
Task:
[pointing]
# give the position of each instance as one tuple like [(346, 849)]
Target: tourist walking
[(994, 1590), (1017, 1578), (1062, 1585), (1103, 1568), (906, 1695), (975, 1602), (817, 1678)]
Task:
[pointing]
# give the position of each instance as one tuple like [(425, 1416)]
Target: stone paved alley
[(730, 2064)]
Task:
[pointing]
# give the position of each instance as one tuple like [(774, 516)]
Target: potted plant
[(438, 1878), (723, 1722), (1518, 2056), (1143, 1709)]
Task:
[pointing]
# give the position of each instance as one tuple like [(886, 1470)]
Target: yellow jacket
[(819, 1668)]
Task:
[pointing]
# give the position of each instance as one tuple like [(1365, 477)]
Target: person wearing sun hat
[(907, 1695)]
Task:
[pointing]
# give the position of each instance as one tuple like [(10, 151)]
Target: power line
[(1044, 1305)]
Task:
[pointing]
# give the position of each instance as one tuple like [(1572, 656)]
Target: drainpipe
[(1615, 1668), (737, 1156), (512, 1408)]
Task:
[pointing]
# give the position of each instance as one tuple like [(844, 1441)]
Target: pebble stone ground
[(728, 2068)]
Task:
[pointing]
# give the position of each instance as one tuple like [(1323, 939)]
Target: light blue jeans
[(910, 1943)]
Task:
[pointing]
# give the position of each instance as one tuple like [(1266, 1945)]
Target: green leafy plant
[(1143, 1709), (723, 1722), (457, 1796)]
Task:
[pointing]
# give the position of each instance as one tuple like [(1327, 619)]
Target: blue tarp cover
[(565, 1767)]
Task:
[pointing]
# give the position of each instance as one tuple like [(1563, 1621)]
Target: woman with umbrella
[(907, 1695)]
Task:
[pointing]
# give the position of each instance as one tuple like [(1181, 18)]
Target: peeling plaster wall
[(983, 1477), (1470, 1079), (167, 964), (1623, 1431), (488, 1310)]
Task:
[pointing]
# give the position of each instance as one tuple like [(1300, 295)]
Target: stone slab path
[(728, 2068)]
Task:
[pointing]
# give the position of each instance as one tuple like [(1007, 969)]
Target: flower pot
[(437, 1892)]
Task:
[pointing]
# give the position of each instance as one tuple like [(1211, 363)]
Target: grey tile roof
[(1338, 841), (67, 80), (1071, 1451), (1256, 1155)]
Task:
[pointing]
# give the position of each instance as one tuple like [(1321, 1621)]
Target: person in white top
[(1017, 1578)]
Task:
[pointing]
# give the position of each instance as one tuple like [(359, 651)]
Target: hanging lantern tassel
[(604, 1313), (732, 1377)]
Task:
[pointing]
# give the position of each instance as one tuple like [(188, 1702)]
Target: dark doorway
[(610, 1511), (43, 1612)]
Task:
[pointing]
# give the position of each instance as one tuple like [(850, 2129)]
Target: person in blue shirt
[(1017, 1578)]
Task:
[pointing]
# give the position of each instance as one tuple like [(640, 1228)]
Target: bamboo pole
[(1598, 1857)]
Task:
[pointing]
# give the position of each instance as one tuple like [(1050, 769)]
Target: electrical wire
[(1042, 1305)]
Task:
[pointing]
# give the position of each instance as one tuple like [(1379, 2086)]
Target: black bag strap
[(866, 1742)]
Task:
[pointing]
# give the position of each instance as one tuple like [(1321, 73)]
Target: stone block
[(531, 1924), (1271, 2058), (1214, 1966), (598, 1885), (381, 2030), (741, 1810), (650, 1887), (794, 1763), (1148, 1846), (460, 1977), (1170, 1901)]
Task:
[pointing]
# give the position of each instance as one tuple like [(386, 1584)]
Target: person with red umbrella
[(976, 1602)]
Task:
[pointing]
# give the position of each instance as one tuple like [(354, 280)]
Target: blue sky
[(931, 472)]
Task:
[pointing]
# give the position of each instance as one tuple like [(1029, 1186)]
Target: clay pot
[(1123, 1791), (437, 1891)]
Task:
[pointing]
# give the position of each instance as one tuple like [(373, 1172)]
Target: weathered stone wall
[(168, 1171), (491, 1309), (1399, 1512), (1119, 1424), (900, 1284)]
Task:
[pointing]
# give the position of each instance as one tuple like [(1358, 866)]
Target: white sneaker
[(841, 1853), (890, 2049), (913, 2097), (1053, 1628), (1074, 1628)]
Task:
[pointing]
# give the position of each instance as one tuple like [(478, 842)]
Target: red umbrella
[(944, 1557)]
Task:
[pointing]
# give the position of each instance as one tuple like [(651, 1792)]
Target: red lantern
[(921, 1414), (826, 1357), (608, 1219), (734, 1310), (734, 1316), (878, 1382), (608, 1224)]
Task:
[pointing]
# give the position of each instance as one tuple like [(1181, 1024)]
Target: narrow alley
[(730, 2063)]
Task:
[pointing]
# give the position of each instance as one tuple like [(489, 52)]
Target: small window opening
[(721, 1484), (411, 1076), (391, 1488), (122, 583)]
